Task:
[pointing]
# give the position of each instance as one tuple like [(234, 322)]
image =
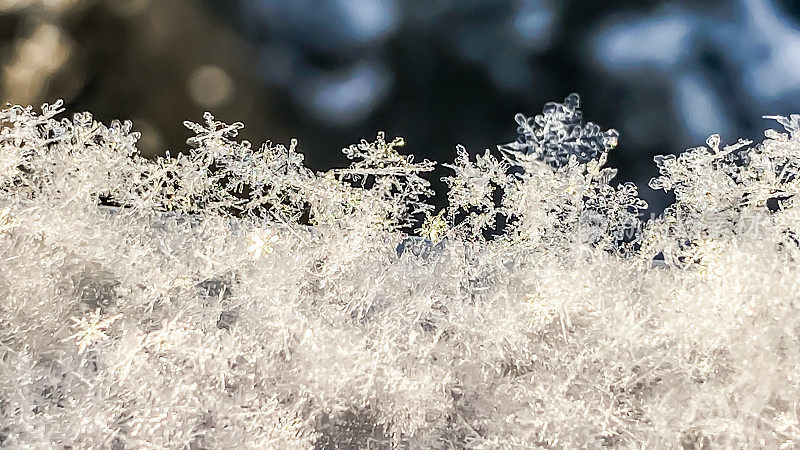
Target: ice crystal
[(472, 188), (559, 133), (91, 329), (230, 297)]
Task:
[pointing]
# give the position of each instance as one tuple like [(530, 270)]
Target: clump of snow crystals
[(230, 297)]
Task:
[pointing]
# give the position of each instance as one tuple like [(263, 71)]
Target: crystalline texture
[(559, 133), (229, 297)]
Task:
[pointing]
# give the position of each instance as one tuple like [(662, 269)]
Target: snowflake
[(261, 242), (559, 134), (91, 329)]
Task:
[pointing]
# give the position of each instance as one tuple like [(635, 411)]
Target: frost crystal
[(229, 297), (559, 133)]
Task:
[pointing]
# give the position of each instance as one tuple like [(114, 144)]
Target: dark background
[(666, 74)]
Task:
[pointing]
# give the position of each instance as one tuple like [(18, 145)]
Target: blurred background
[(666, 74)]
